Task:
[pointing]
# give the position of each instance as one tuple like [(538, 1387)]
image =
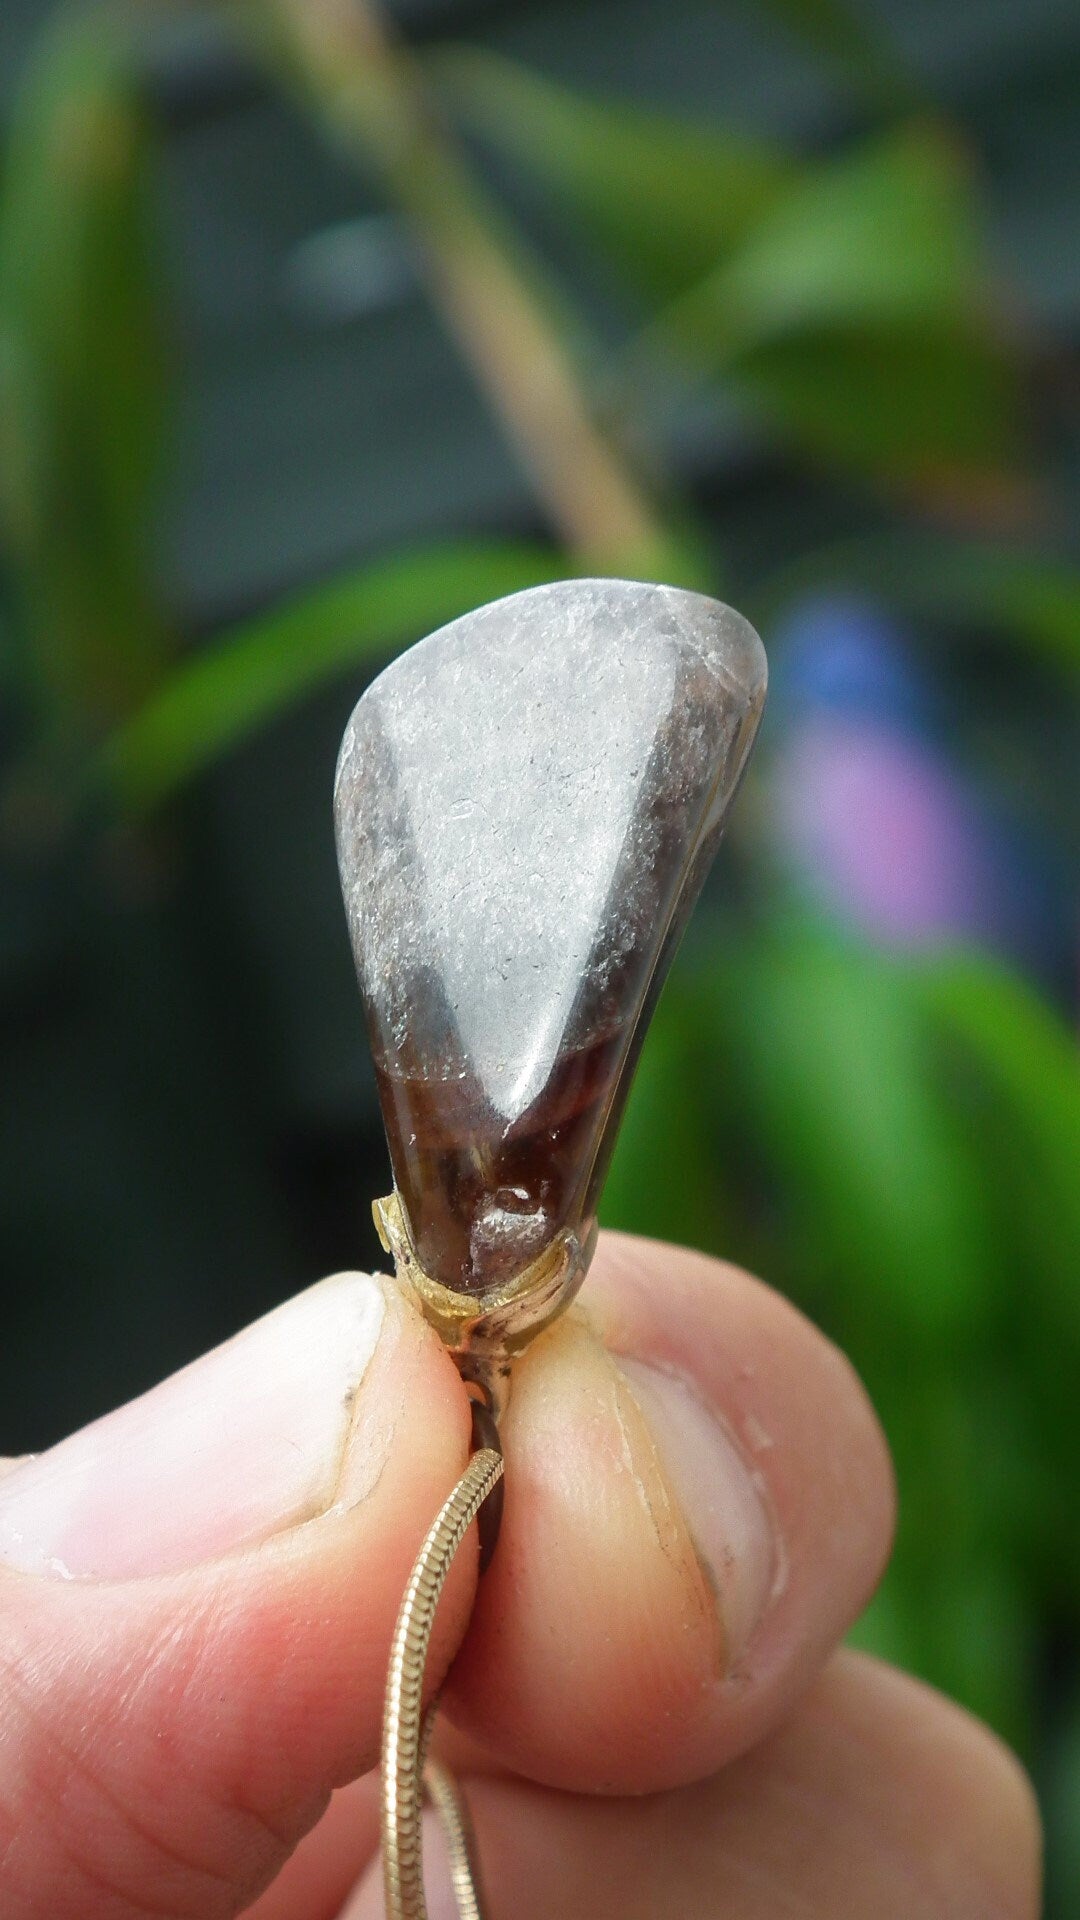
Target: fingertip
[(795, 1407), (953, 1795), (875, 1797), (596, 1620)]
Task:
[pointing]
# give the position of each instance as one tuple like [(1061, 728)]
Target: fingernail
[(243, 1443), (719, 1494)]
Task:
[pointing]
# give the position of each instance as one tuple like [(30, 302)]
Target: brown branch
[(369, 93)]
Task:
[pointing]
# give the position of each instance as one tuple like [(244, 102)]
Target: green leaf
[(947, 1409), (970, 1635), (834, 1069), (856, 316), (931, 407), (1023, 593), (664, 1180), (842, 36), (1026, 1061), (81, 371), (665, 198), (1014, 1079), (264, 665), (997, 590), (886, 232), (1024, 1047), (847, 301)]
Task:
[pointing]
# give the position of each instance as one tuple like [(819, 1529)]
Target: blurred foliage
[(278, 657), (843, 36), (900, 1142), (664, 198), (848, 299), (892, 1140), (82, 377), (1009, 596)]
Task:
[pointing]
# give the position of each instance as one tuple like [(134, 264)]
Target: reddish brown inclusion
[(454, 1156)]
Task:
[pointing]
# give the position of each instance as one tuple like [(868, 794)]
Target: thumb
[(197, 1595)]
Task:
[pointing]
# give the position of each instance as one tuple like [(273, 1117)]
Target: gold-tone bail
[(485, 1330)]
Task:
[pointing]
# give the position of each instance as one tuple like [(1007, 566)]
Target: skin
[(182, 1743)]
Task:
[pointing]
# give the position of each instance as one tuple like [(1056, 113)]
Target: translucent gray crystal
[(526, 804)]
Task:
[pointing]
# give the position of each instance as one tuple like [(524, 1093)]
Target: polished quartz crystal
[(526, 805)]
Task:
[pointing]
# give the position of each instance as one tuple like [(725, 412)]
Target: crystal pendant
[(526, 806)]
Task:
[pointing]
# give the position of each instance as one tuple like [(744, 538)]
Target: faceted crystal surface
[(526, 804)]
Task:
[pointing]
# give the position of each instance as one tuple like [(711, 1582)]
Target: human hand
[(197, 1596)]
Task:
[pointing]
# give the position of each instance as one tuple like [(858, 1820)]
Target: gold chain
[(446, 1798), (406, 1726)]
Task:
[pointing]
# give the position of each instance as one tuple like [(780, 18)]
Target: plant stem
[(369, 92)]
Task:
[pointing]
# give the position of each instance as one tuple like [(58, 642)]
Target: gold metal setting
[(485, 1330)]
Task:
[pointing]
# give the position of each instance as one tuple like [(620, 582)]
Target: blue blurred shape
[(872, 814)]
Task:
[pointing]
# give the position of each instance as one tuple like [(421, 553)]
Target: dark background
[(237, 428)]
